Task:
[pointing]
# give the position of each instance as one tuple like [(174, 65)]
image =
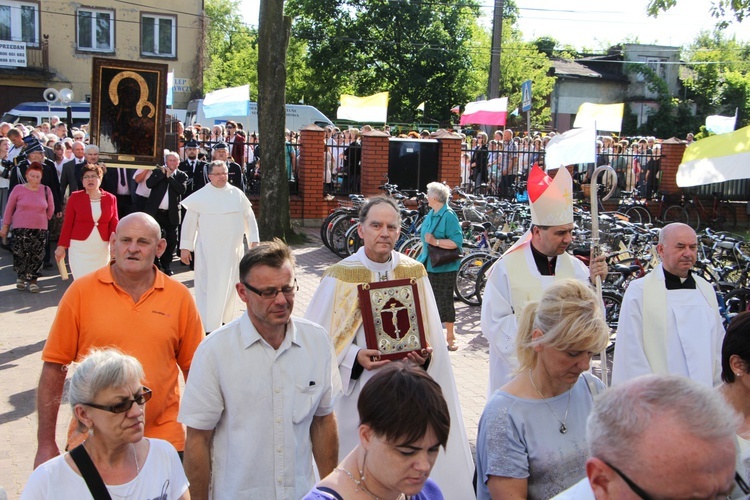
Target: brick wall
[(310, 206), (671, 156)]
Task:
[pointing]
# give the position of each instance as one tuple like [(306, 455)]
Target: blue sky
[(597, 24)]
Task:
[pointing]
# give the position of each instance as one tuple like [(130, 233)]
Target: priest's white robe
[(213, 227), (498, 321), (454, 468), (694, 336)]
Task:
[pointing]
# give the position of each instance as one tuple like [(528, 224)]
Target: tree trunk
[(273, 38)]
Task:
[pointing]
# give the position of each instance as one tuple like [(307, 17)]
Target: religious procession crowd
[(358, 398)]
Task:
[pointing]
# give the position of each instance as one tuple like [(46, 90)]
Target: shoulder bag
[(441, 256), (88, 470)]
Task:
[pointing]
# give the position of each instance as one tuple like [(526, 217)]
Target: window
[(96, 30), (158, 36), (19, 22)]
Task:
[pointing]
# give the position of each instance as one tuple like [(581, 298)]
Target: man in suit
[(193, 167), (236, 179), (71, 170), (120, 182), (167, 185)]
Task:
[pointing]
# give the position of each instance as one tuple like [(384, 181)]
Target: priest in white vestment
[(335, 306), (669, 319), (218, 216), (534, 263)]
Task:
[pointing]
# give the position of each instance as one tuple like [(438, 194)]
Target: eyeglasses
[(141, 399), (271, 293), (230, 126), (636, 489), (220, 174)]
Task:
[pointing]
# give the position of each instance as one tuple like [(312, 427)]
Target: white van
[(297, 116), (34, 113)]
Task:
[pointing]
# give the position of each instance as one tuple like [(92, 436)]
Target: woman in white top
[(735, 372), (90, 219), (108, 400)]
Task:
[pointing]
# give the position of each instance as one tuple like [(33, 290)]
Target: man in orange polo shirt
[(136, 308)]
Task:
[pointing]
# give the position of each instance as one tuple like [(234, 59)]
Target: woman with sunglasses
[(115, 461)]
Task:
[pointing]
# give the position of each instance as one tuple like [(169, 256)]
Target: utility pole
[(493, 88)]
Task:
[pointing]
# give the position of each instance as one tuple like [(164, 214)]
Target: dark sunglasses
[(126, 405)]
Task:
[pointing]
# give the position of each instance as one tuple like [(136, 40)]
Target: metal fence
[(249, 161), (342, 168)]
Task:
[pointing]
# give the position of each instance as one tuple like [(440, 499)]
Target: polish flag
[(456, 109), (492, 112)]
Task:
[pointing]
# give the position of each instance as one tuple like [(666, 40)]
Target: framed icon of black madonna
[(128, 108)]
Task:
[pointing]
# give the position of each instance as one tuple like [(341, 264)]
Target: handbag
[(441, 256), (89, 473)]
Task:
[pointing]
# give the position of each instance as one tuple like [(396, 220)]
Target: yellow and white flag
[(373, 108), (605, 116), (717, 158)]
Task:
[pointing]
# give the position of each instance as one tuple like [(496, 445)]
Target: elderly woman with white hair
[(441, 234), (108, 397), (532, 433)]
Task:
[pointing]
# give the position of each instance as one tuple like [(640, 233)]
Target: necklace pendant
[(563, 429)]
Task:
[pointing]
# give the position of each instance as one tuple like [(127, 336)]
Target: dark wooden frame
[(124, 131)]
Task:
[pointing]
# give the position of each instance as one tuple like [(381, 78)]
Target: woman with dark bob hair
[(404, 421), (735, 372), (108, 399)]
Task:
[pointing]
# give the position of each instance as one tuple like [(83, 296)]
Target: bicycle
[(719, 215)]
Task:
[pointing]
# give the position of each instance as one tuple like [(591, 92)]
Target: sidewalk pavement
[(25, 319)]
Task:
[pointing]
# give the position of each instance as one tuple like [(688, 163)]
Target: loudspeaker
[(66, 95), (51, 95)]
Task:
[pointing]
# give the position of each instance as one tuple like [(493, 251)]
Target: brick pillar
[(310, 168), (374, 162), (671, 156), (449, 157)]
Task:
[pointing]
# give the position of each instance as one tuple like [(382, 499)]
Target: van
[(34, 113), (297, 116)]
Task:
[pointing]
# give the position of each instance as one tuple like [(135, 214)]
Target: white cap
[(551, 199)]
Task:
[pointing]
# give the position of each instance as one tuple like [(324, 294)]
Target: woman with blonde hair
[(532, 434)]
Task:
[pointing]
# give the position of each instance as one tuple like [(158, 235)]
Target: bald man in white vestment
[(669, 320)]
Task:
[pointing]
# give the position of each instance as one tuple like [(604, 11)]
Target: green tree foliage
[(232, 54), (232, 48), (417, 50), (721, 9), (718, 76)]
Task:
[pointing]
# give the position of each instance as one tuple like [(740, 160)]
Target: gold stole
[(654, 327), (526, 287), (346, 315)]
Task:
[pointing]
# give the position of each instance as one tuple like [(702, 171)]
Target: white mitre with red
[(551, 198)]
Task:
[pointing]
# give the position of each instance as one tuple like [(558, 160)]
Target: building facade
[(54, 42)]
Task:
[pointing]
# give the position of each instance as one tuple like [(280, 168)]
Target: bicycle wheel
[(482, 279), (324, 228), (726, 218), (353, 240), (735, 302), (466, 279), (638, 215), (675, 213), (412, 247), (338, 235), (694, 217), (612, 304)]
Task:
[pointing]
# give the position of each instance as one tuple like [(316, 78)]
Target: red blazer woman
[(79, 221)]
